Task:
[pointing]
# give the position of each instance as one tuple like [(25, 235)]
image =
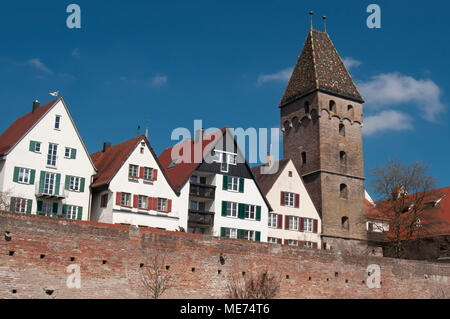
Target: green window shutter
[(32, 176), (39, 206), (55, 209), (258, 236), (16, 174), (224, 208), (241, 185), (73, 153), (32, 146), (58, 181), (83, 181), (223, 232), (225, 182), (67, 183), (65, 210), (29, 206), (241, 234), (41, 182), (258, 213), (80, 213), (12, 205), (241, 211)]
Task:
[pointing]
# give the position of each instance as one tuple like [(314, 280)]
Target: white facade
[(53, 184), (148, 215), (289, 181)]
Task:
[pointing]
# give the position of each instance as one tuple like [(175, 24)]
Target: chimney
[(106, 145), (269, 158), (198, 135), (36, 105)]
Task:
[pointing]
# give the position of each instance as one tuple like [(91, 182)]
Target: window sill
[(23, 183), (51, 167)]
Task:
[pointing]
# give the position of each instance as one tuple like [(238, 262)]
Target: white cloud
[(281, 76), (388, 120), (38, 64), (76, 53), (351, 63), (158, 81), (392, 89)]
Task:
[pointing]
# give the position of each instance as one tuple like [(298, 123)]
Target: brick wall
[(110, 258)]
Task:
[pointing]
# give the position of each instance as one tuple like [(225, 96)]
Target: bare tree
[(156, 279), (261, 286), (5, 201), (404, 197)]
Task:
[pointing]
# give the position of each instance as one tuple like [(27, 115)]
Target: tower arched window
[(332, 106), (307, 109), (344, 191), (343, 157), (341, 129), (345, 223)]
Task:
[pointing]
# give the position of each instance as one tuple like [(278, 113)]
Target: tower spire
[(311, 13)]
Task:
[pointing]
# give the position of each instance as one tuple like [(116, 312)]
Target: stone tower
[(321, 120)]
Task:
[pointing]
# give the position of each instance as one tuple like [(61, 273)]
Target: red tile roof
[(109, 162), (180, 173), (266, 181), (20, 127)]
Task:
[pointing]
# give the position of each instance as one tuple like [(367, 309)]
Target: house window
[(193, 205), (125, 200), (273, 220), (75, 183), (148, 173), (370, 227), (104, 200), (344, 191), (225, 159), (57, 122), (308, 244), (233, 183), (250, 212), (232, 209), (231, 233), (345, 223), (162, 204), (70, 153), (272, 240), (249, 235), (303, 158), (224, 163), (133, 171), (292, 242), (20, 205), (293, 223), (290, 173), (308, 225), (72, 212), (24, 175), (67, 152), (52, 154), (47, 208), (289, 199), (232, 158), (342, 129), (49, 183), (142, 202), (35, 146)]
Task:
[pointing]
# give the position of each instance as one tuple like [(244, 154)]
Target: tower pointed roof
[(320, 68)]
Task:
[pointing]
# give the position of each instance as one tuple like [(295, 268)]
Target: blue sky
[(227, 63)]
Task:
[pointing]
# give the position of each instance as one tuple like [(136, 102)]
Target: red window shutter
[(155, 203), (282, 199), (118, 198), (155, 174), (315, 245), (286, 222), (280, 221), (301, 225), (135, 201), (102, 201), (169, 205), (141, 172), (315, 226), (286, 241), (297, 201), (150, 203), (279, 241)]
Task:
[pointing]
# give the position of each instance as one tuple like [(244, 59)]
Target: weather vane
[(324, 23), (311, 14)]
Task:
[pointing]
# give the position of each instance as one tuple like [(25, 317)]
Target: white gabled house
[(294, 220), (217, 188), (131, 189), (45, 167)]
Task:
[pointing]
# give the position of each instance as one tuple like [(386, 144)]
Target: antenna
[(147, 123), (311, 15), (325, 23), (138, 130)]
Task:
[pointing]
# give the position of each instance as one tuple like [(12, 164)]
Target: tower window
[(344, 191), (343, 157), (303, 158), (345, 223), (351, 111), (307, 110), (342, 129), (286, 126), (332, 106)]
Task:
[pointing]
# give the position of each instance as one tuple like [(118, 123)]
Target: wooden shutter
[(39, 206), (55, 209), (32, 146), (224, 208), (280, 221), (118, 198), (32, 176), (223, 232), (258, 213), (67, 183), (297, 200), (286, 241), (169, 205), (258, 236), (155, 203), (301, 227), (12, 205), (315, 245), (73, 153), (41, 182), (286, 222), (57, 182), (225, 182), (82, 184), (65, 210), (279, 241), (29, 206), (16, 174), (155, 175), (135, 201), (150, 203), (80, 213), (241, 185), (282, 200), (141, 172), (241, 233), (315, 226), (241, 211)]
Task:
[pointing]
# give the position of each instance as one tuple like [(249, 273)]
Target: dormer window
[(225, 160), (133, 171), (58, 122)]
